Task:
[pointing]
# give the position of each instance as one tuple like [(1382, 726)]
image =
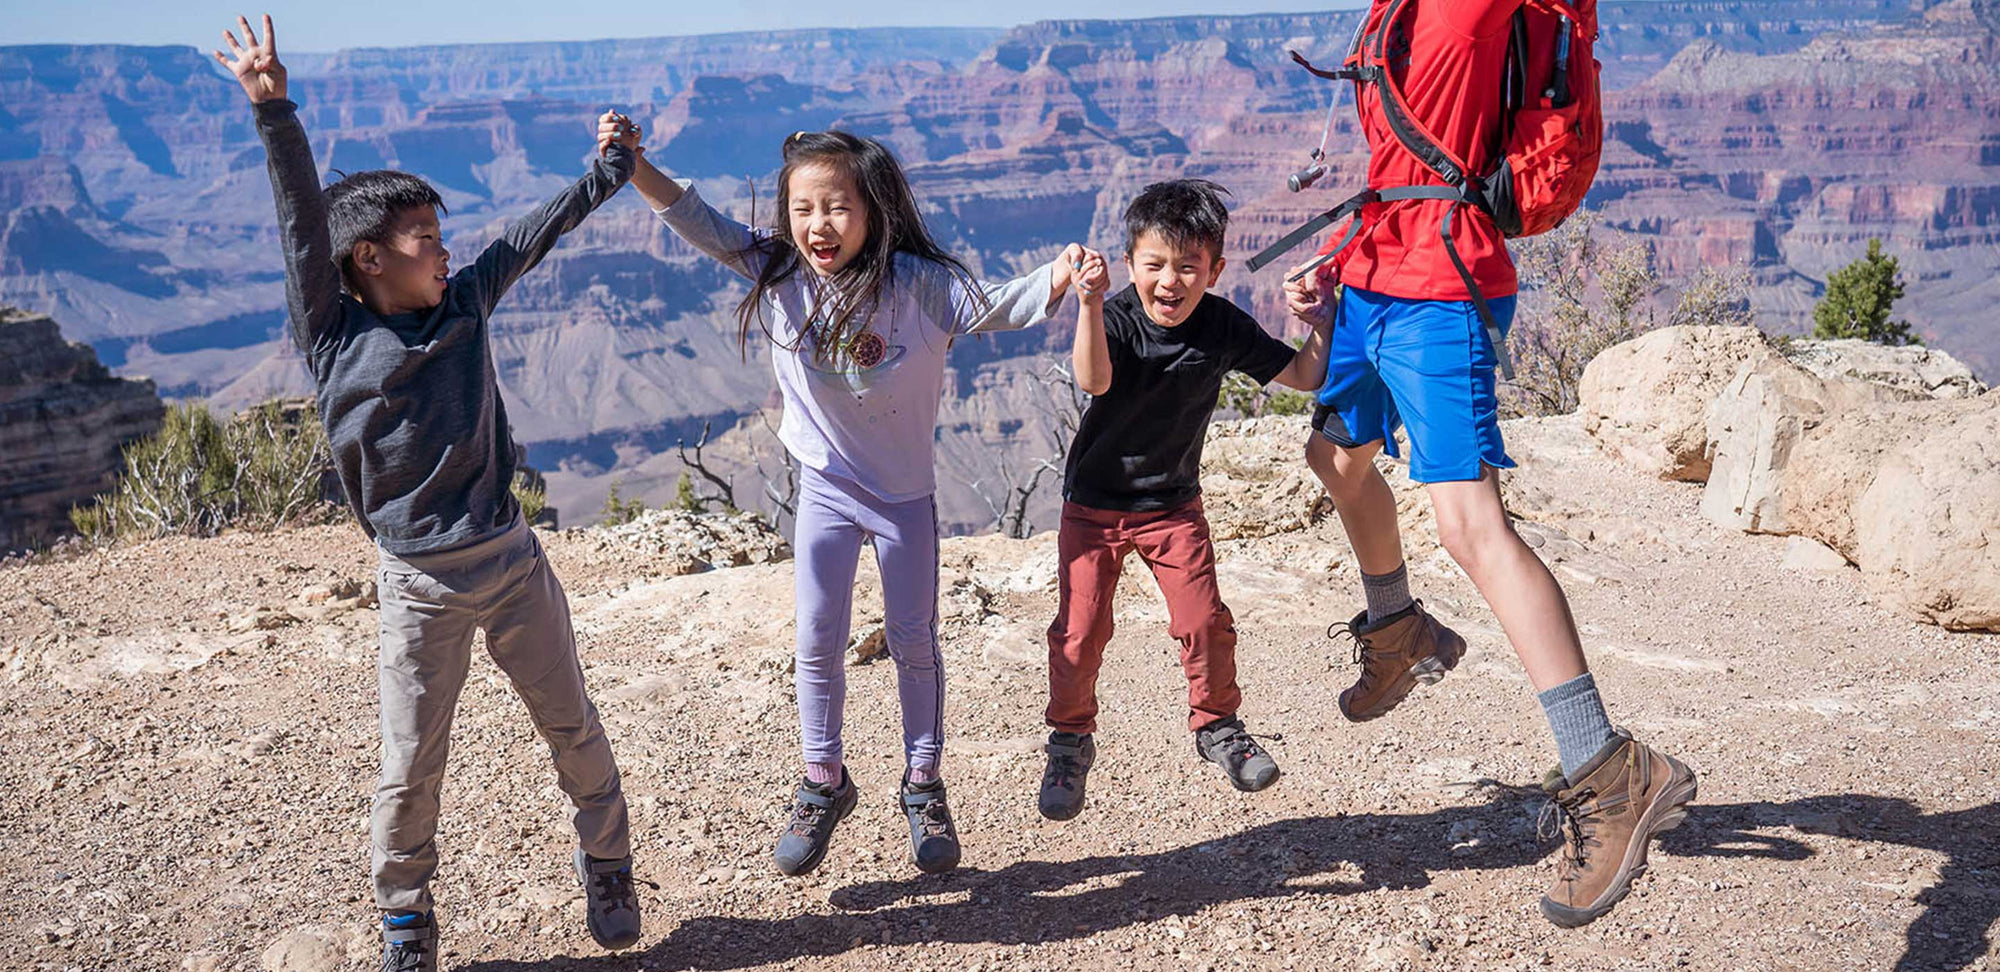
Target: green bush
[(533, 499), (196, 476), (617, 509), (1859, 299)]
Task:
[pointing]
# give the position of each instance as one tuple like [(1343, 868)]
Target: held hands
[(255, 62), (614, 128), (1092, 275), (1307, 303), (1070, 269)]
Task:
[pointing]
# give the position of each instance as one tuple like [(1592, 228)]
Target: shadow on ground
[(1036, 902)]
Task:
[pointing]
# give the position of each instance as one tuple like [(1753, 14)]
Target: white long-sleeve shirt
[(874, 426)]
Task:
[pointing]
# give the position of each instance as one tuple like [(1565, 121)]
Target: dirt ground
[(187, 748)]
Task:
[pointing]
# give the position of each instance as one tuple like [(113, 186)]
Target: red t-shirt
[(1458, 51)]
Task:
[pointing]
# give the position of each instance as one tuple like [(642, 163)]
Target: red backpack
[(1550, 141)]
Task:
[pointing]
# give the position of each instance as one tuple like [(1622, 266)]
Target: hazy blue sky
[(331, 24)]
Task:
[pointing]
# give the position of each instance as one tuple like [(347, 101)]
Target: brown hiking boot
[(1395, 654), (1624, 797)]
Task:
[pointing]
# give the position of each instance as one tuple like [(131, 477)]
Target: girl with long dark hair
[(860, 305)]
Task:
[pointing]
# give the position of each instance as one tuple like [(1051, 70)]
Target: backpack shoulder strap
[(1395, 110)]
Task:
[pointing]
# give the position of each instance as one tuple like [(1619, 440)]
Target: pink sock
[(823, 772), (920, 777)]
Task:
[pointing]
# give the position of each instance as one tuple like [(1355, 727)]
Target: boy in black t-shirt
[(1153, 357)]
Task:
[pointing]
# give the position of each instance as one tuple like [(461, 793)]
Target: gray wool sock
[(1576, 715), (1386, 593)]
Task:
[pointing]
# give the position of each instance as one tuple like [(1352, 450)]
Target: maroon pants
[(1092, 545)]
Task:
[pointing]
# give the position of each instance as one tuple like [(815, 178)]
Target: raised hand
[(255, 62), (613, 127), (1066, 267), (1093, 275), (1304, 298)]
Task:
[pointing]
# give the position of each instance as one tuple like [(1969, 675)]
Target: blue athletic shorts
[(1425, 365)]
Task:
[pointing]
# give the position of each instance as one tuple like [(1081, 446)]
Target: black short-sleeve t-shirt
[(1139, 445)]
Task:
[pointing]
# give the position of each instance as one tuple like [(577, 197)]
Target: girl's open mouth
[(825, 254)]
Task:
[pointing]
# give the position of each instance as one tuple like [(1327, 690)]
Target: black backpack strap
[(1343, 73), (1478, 297), (1351, 207)]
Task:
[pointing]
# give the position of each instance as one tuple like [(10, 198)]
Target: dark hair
[(363, 206), (1187, 213), (895, 225)]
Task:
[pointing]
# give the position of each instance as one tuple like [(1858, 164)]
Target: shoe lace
[(614, 888), (1063, 770), (1240, 744), (805, 818), (1565, 817), (936, 819), (1361, 651), (405, 956)]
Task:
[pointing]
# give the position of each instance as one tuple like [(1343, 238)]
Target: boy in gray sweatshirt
[(398, 348)]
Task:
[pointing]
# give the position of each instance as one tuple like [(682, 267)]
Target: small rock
[(870, 643), (1805, 553)]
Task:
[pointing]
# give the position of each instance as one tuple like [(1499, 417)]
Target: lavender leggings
[(835, 517)]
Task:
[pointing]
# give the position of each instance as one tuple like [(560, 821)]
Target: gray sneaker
[(1070, 758), (409, 943), (612, 910), (818, 807), (1225, 743), (933, 837)]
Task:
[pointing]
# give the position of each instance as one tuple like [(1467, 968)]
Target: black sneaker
[(611, 902), (1070, 757), (933, 839), (1225, 743), (802, 844), (409, 943)]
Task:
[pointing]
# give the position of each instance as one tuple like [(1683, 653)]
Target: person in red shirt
[(1410, 349)]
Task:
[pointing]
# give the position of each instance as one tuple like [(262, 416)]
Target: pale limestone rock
[(1928, 527), (1646, 400), (1807, 554), (1753, 428)]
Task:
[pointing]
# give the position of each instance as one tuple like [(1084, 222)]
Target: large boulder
[(1928, 527), (1646, 400), (1904, 486), (1755, 425)]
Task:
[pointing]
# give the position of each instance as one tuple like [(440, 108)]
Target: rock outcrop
[(1887, 458), (63, 420), (1646, 400), (674, 542), (1755, 425)]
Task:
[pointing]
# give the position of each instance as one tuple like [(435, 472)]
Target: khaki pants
[(431, 604)]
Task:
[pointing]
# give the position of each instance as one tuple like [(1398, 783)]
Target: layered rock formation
[(1778, 133), (63, 420)]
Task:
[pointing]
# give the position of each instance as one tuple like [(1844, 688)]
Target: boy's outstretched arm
[(1307, 372), (1091, 356), (530, 238), (312, 282)]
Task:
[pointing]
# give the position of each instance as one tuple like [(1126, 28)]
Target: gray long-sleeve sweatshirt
[(411, 406)]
